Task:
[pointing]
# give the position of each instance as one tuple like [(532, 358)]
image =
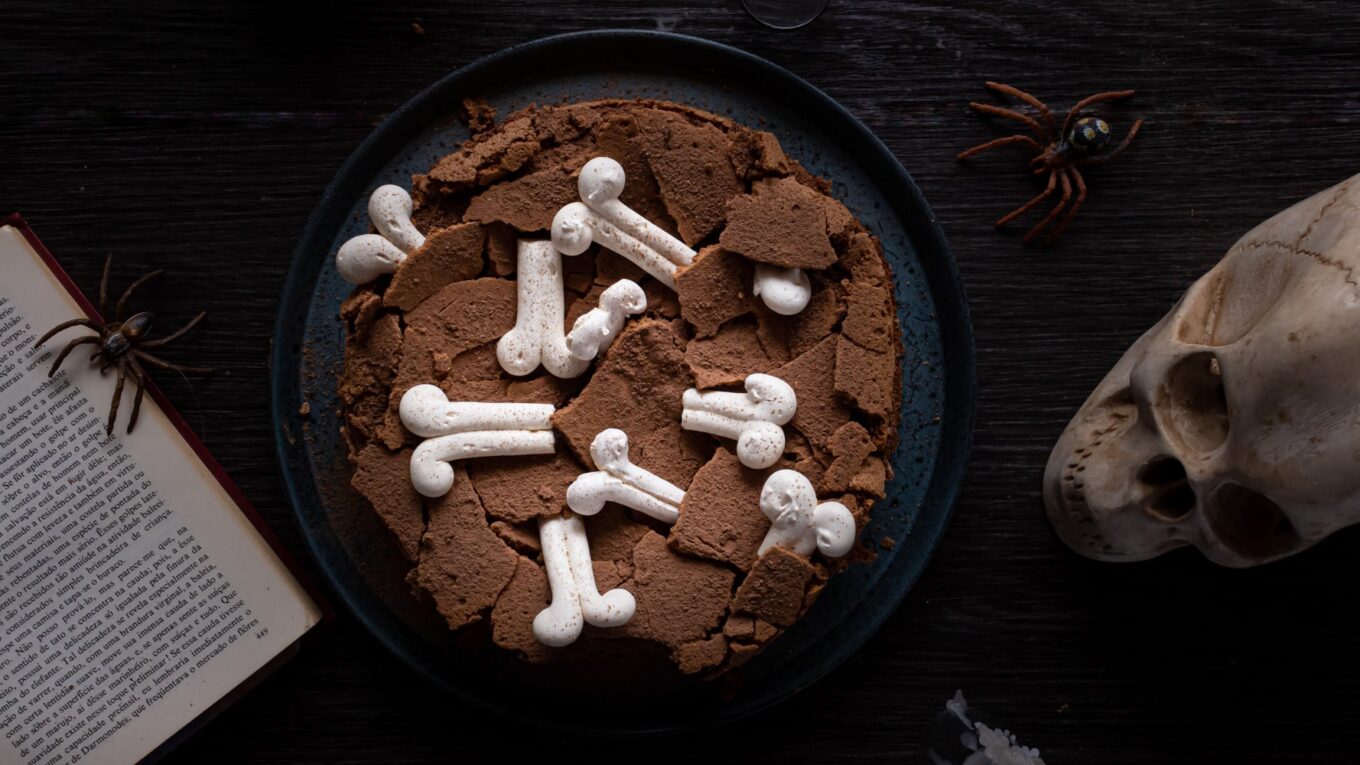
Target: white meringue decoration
[(754, 418), (576, 598), (601, 217), (619, 480), (368, 256), (595, 330), (457, 430), (538, 336), (798, 522), (786, 291)]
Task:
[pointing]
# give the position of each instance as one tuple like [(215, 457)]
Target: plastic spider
[(122, 344), (1083, 140)]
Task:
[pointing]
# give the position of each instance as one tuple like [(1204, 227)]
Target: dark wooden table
[(198, 136)]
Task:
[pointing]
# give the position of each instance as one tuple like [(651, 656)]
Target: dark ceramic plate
[(358, 555)]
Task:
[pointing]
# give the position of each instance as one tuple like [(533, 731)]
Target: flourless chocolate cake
[(684, 528)]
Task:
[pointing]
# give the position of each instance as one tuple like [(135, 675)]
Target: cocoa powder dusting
[(704, 597)]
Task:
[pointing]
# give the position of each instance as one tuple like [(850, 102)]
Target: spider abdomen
[(137, 325), (1090, 135)]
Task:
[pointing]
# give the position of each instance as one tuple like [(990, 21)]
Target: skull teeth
[(1078, 510)]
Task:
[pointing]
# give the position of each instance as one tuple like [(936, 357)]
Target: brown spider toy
[(1083, 140), (122, 344)]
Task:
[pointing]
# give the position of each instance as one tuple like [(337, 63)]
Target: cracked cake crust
[(703, 594)]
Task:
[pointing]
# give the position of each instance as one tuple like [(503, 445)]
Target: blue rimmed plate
[(358, 555)]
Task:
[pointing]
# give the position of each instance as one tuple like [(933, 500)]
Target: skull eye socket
[(1194, 405), (1250, 524)]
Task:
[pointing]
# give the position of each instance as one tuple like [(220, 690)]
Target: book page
[(134, 593)]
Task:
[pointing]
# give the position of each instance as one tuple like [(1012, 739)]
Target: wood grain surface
[(196, 137)]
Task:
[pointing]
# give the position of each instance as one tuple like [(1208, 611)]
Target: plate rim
[(958, 406)]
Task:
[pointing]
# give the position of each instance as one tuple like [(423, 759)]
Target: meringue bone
[(389, 207), (431, 473), (600, 186), (368, 256), (798, 522), (601, 217), (754, 418), (596, 329), (576, 598), (457, 430), (537, 336), (576, 226), (786, 291), (427, 412), (619, 480)]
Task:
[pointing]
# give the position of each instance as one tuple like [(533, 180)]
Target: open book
[(137, 590)]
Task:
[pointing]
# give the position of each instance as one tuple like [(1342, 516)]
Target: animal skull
[(1234, 424)]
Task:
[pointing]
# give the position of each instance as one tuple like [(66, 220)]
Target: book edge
[(169, 745)]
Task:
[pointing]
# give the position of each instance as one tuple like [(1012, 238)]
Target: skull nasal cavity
[(1250, 524), (1169, 496), (1194, 409)]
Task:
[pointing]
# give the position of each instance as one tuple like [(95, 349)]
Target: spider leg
[(1067, 194), (104, 288), (1026, 207), (1124, 144), (163, 364), (158, 342), (1010, 114), (1027, 98), (992, 144), (71, 346), (138, 376), (117, 397), (1113, 95), (118, 311), (66, 325), (1076, 205)]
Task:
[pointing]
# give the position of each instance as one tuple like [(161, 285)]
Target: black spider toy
[(1083, 140), (122, 344)]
